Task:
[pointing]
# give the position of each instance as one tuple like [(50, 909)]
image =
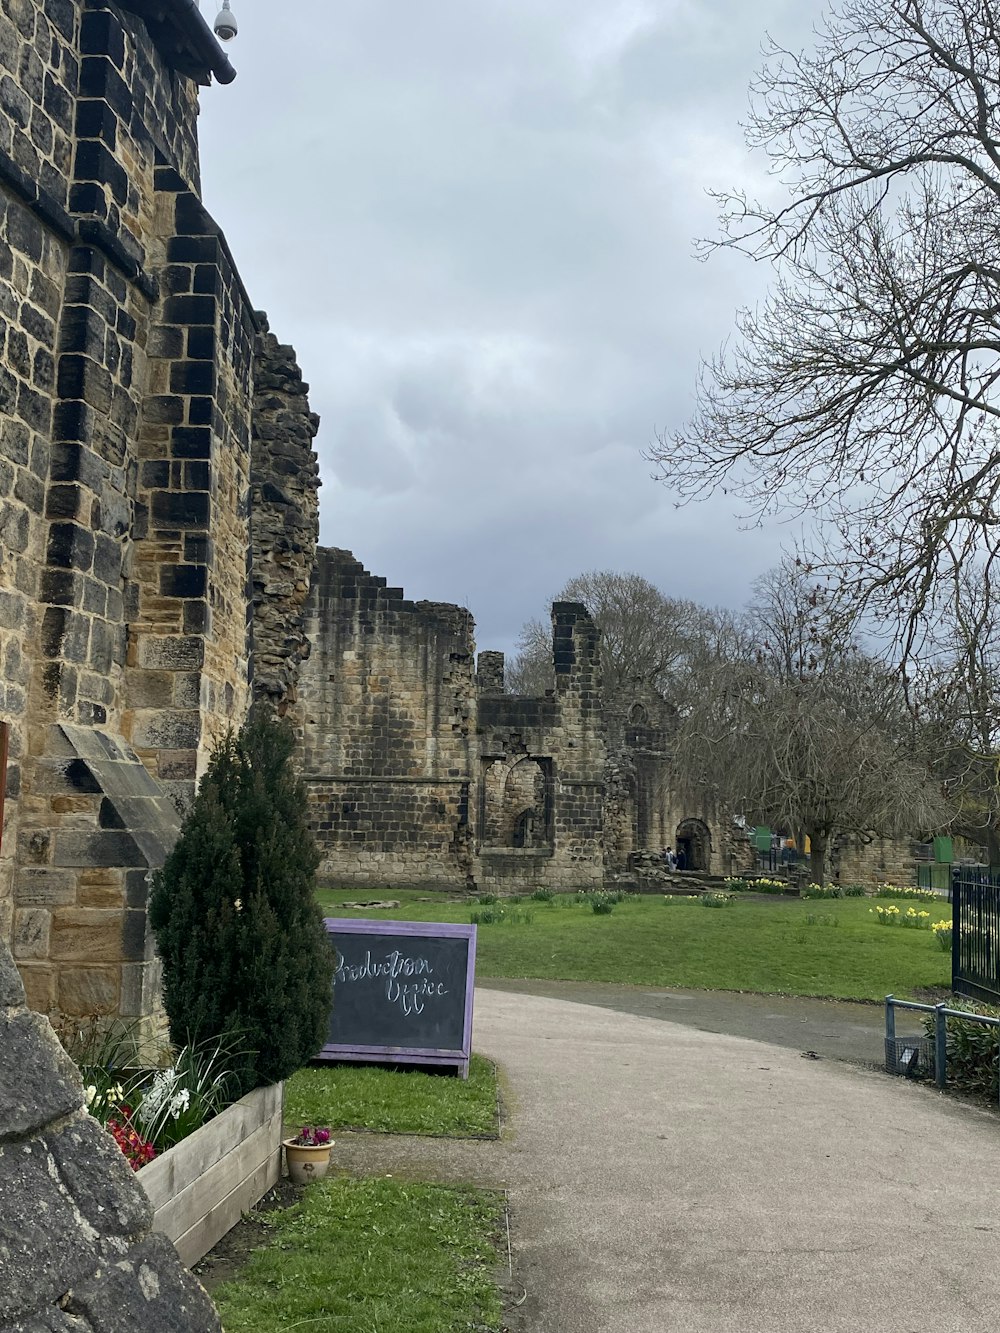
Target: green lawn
[(373, 1256), (771, 945), (395, 1101)]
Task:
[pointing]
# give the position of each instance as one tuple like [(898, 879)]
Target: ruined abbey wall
[(386, 716), (421, 770), (157, 486)]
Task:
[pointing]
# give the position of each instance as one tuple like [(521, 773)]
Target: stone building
[(158, 489)]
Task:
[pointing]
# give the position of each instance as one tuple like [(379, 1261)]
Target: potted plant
[(308, 1155)]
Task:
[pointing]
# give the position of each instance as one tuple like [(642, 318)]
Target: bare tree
[(865, 388), (954, 691), (800, 728), (645, 636)]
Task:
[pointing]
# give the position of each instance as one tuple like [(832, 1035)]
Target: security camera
[(225, 25)]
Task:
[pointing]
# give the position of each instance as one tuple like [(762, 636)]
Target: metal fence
[(936, 877), (975, 936), (917, 1056), (778, 861)]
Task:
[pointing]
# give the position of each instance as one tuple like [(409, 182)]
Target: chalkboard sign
[(402, 992)]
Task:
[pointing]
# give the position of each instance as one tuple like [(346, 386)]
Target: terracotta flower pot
[(307, 1162)]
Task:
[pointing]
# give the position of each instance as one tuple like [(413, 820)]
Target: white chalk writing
[(407, 980)]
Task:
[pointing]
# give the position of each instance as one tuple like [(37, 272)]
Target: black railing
[(975, 936), (777, 860), (933, 876)]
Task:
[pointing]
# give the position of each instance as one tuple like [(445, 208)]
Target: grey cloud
[(475, 222)]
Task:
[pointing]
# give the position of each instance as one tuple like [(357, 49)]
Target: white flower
[(179, 1103), (91, 1093), (159, 1092)]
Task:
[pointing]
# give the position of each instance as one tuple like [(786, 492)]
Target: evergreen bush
[(973, 1050), (245, 955)]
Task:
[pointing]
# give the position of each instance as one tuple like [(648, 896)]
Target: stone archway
[(694, 841), (517, 803)]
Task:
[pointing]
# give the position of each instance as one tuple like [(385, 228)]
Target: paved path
[(668, 1180), (837, 1029)]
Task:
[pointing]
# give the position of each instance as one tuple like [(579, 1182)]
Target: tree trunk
[(817, 857)]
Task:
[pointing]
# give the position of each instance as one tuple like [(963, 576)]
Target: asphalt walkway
[(835, 1029), (666, 1179)]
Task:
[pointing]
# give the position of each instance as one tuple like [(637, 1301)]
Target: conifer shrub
[(245, 955)]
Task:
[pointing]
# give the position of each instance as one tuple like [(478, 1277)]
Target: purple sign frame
[(459, 1059)]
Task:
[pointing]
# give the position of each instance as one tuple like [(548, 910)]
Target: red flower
[(136, 1150)]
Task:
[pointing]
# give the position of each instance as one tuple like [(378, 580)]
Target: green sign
[(762, 839), (943, 851)]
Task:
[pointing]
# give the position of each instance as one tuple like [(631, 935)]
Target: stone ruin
[(422, 770), (159, 565)]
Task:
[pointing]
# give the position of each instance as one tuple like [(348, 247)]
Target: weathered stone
[(85, 850), (38, 1081), (172, 653), (11, 986), (40, 986), (52, 1321), (43, 1248), (125, 480), (150, 1290), (100, 1181), (416, 775), (86, 933), (31, 933), (89, 990), (285, 519)]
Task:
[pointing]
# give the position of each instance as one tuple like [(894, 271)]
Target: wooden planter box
[(202, 1186)]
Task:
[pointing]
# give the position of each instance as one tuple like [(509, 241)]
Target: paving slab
[(664, 1179)]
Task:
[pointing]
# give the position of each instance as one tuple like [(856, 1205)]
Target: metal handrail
[(942, 1013)]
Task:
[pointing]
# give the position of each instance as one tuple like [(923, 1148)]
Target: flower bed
[(200, 1187)]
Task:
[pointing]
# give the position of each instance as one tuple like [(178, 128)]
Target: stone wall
[(878, 861), (542, 777), (420, 770), (76, 1252), (285, 494), (131, 368), (386, 718)]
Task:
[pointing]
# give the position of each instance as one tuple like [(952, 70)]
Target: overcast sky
[(474, 220)]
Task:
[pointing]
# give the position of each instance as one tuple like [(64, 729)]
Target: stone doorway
[(694, 842)]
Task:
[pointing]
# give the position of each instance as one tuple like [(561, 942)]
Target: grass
[(373, 1256), (395, 1101), (764, 945)]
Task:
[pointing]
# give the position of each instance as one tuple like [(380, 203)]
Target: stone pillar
[(582, 759), (490, 673), (189, 641)]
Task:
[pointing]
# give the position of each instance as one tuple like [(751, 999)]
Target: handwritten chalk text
[(407, 980)]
